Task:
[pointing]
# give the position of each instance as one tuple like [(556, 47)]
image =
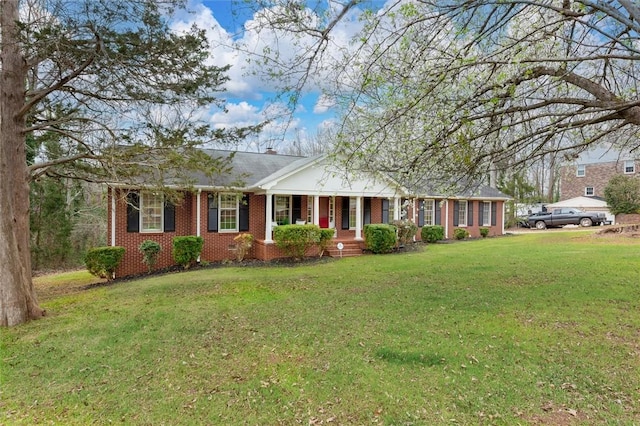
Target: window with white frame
[(228, 213), (332, 211), (486, 213), (629, 166), (282, 214), (151, 212), (588, 191), (581, 171), (352, 212), (429, 212), (462, 213), (309, 210), (392, 210)]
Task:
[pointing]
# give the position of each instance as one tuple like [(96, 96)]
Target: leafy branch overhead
[(104, 77), (466, 87)]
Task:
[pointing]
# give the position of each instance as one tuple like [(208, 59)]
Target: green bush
[(326, 235), (150, 250), (622, 194), (432, 234), (460, 233), (406, 231), (484, 232), (103, 261), (295, 240), (186, 250), (380, 238)]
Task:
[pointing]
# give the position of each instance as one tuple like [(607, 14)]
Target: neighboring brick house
[(589, 174), (276, 190)]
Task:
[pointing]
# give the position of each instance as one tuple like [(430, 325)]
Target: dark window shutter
[(438, 218), (494, 213), (212, 213), (133, 212), (385, 211), (421, 213), (456, 213), (169, 217), (470, 213), (296, 208), (481, 213), (345, 212), (243, 220), (367, 211)]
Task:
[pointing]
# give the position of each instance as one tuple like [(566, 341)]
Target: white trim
[(316, 209), (446, 218), (268, 230), (113, 217), (198, 215), (358, 218)]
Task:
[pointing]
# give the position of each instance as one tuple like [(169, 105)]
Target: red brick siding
[(596, 176)]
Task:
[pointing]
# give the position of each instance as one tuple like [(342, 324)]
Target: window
[(429, 212), (309, 210), (462, 213), (588, 191), (151, 210), (228, 212), (352, 212), (332, 210), (486, 213), (282, 213), (581, 171), (392, 210), (629, 166)]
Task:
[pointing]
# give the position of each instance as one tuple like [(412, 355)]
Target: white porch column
[(198, 217), (358, 218), (268, 237), (446, 219), (113, 217), (504, 206), (396, 208), (316, 210)]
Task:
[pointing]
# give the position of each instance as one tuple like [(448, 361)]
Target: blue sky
[(251, 98)]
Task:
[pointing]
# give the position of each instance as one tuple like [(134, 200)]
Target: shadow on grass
[(415, 358)]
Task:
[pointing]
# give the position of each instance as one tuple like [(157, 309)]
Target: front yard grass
[(530, 329)]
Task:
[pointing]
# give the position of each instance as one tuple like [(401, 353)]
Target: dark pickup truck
[(561, 217)]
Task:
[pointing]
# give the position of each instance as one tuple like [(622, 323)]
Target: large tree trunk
[(18, 302)]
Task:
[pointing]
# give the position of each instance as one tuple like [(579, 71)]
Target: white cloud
[(323, 104)]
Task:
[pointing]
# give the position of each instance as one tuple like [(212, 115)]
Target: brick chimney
[(271, 151)]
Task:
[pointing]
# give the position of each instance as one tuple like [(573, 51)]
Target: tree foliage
[(622, 194), (460, 88), (119, 90)]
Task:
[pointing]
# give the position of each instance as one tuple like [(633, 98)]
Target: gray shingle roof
[(248, 168)]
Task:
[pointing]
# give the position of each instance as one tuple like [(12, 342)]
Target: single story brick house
[(281, 189)]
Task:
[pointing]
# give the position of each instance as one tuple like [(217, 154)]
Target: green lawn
[(531, 329)]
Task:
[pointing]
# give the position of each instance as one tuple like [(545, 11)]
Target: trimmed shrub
[(186, 250), (460, 233), (103, 261), (406, 231), (295, 240), (326, 235), (380, 238), (484, 232), (432, 234), (243, 244), (150, 250)]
